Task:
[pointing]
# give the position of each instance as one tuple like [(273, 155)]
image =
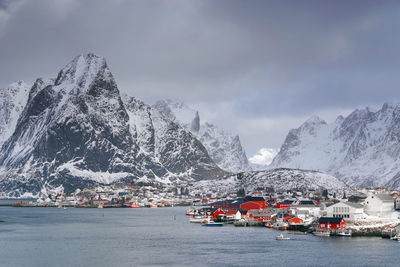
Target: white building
[(348, 210), (304, 208), (381, 205)]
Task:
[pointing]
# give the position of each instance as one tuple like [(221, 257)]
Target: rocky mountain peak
[(362, 149), (224, 148), (195, 125), (75, 131), (83, 70)]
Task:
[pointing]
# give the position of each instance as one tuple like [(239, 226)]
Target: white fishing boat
[(281, 237), (345, 233), (396, 237), (322, 233), (213, 224), (199, 219)]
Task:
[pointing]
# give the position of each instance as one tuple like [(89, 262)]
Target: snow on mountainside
[(224, 148), (75, 131), (12, 101), (280, 179), (362, 149)]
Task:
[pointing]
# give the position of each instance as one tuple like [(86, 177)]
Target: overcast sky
[(256, 68)]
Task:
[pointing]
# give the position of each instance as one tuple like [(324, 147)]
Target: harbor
[(164, 236), (373, 215)]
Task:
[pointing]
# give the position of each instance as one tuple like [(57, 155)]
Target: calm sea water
[(163, 236)]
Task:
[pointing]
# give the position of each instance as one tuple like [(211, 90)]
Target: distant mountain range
[(362, 149), (75, 131)]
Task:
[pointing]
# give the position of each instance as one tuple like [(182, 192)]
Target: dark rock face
[(75, 131), (224, 148), (195, 127)]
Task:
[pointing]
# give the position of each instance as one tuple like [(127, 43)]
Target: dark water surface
[(163, 236)]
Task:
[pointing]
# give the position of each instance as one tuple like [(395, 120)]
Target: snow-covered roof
[(354, 205), (385, 197)]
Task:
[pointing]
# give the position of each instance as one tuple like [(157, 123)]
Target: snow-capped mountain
[(362, 149), (280, 179), (75, 131), (224, 148), (12, 102), (263, 158)]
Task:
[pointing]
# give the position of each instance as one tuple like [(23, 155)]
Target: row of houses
[(375, 205)]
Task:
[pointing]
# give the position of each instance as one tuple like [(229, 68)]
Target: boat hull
[(213, 224)]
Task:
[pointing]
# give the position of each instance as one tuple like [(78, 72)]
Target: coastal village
[(370, 212)]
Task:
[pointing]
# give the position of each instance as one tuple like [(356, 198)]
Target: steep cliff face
[(12, 101), (362, 149), (75, 131), (224, 148)]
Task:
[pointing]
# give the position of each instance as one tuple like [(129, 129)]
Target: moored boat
[(199, 219), (322, 233), (281, 237), (213, 224), (345, 233), (190, 212), (281, 225)]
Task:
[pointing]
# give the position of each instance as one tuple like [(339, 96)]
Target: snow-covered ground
[(278, 179)]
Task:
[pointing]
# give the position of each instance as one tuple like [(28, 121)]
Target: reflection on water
[(131, 237)]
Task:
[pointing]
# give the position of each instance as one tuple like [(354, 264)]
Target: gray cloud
[(274, 62)]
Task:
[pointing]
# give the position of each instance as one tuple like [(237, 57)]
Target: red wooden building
[(331, 223), (217, 212), (259, 200), (284, 204)]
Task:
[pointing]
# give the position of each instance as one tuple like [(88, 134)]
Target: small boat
[(281, 237), (322, 233), (213, 224), (135, 206), (191, 212), (396, 237), (281, 225), (153, 206), (345, 234), (65, 208), (100, 207), (199, 219), (269, 226)]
